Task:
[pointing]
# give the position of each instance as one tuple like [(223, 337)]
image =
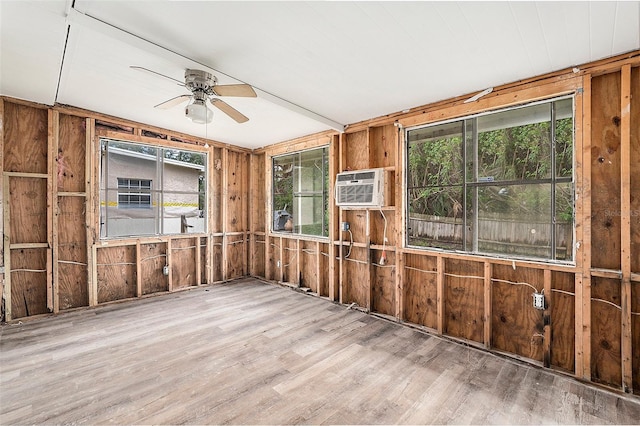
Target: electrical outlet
[(538, 301), (344, 226), (278, 263)]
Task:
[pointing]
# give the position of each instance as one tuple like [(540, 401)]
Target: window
[(300, 192), (134, 193), (499, 183), (150, 190)]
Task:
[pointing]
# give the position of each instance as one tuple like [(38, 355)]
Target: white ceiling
[(315, 65)]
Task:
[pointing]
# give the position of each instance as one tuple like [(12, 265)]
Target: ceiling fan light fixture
[(198, 112)]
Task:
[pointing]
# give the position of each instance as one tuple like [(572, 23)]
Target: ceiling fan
[(203, 87)]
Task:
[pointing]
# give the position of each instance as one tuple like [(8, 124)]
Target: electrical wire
[(350, 244), (383, 257)]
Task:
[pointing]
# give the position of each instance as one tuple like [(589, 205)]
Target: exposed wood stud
[(7, 251), (53, 300), (170, 264), (583, 279), (440, 293), (625, 227), (224, 205), (138, 270), (548, 327), (487, 304)]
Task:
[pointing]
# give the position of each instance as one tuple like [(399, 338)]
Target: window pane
[(515, 220), (148, 190), (564, 138), (439, 222), (124, 222), (515, 144), (435, 156), (564, 221), (300, 203)]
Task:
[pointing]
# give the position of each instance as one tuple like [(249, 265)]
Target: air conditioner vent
[(364, 188)]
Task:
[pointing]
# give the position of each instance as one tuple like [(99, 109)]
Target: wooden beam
[(2, 193), (399, 218), (53, 141), (252, 218), (625, 229), (583, 279), (93, 283), (198, 261), (169, 263), (7, 244), (440, 293), (224, 195), (487, 304), (138, 270), (334, 219), (548, 295), (92, 216)]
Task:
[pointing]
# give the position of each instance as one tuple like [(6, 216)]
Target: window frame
[(468, 184), (325, 193), (156, 191)]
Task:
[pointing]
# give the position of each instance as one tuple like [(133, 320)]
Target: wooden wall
[(52, 255), (53, 259), (590, 327)]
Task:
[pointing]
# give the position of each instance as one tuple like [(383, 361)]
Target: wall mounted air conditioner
[(360, 188)]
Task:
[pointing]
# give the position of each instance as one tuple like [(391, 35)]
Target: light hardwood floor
[(248, 352)]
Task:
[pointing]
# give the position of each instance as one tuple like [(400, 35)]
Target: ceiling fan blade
[(178, 82), (229, 110), (173, 102), (239, 90)]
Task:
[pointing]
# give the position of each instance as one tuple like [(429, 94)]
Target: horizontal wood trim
[(497, 99)]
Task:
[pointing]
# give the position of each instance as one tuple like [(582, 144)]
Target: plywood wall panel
[(635, 332), (420, 290), (358, 225), (237, 170), (258, 195), (383, 284), (309, 258), (356, 278), (28, 282), (635, 171), (153, 258), (216, 190), (517, 327), (204, 255), (605, 171), (116, 273), (71, 155), (259, 256), (382, 146), (235, 256), (606, 331), (216, 256), (28, 206), (562, 309), (464, 299), (323, 279), (72, 253), (183, 262), (25, 138), (355, 151)]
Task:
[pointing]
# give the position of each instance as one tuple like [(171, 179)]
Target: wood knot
[(604, 344), (600, 159), (503, 318), (616, 121), (608, 224)]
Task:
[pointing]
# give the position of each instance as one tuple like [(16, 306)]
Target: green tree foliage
[(511, 155)]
